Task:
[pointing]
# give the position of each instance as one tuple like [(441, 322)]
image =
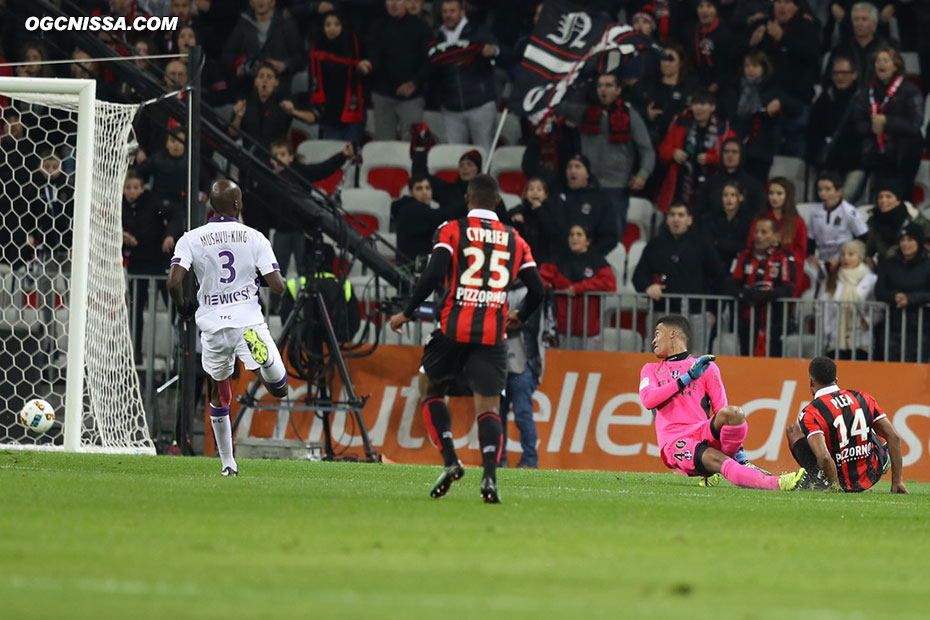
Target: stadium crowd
[(697, 131)]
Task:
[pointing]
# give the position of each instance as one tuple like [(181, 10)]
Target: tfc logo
[(676, 374), (572, 25)]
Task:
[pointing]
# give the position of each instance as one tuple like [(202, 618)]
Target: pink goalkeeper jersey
[(675, 411)]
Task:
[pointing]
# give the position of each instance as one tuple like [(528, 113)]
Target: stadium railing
[(785, 328)]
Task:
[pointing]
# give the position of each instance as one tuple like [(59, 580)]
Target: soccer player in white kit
[(227, 258)]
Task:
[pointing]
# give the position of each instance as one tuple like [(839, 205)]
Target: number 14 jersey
[(225, 256), (486, 256)]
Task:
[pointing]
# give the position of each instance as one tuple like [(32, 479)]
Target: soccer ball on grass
[(37, 416)]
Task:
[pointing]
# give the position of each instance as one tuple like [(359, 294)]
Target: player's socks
[(489, 438), (743, 476), (438, 423), (731, 438), (222, 431)]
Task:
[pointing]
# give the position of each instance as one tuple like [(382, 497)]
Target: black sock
[(489, 437), (438, 422), (802, 453)]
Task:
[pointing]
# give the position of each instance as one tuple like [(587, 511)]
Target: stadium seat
[(300, 82), (506, 167), (639, 221), (921, 193), (865, 211), (799, 345), (371, 207), (510, 200), (726, 343), (385, 166), (437, 126), (316, 151), (805, 209), (911, 63), (510, 133), (443, 159), (792, 168), (633, 254), (617, 339), (617, 260)]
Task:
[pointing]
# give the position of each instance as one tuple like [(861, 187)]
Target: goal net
[(64, 324)]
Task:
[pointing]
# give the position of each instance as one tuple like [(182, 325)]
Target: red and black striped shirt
[(845, 418), (486, 257)]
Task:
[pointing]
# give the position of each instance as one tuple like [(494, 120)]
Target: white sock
[(222, 431)]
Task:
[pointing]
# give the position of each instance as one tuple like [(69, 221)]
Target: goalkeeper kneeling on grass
[(698, 434)]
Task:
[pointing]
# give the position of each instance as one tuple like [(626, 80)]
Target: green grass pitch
[(89, 536)]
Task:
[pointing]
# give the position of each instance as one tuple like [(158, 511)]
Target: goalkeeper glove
[(697, 369)]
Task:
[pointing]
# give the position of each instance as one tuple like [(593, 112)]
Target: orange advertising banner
[(588, 414)]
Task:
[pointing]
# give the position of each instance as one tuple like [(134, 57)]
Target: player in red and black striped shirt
[(836, 437), (474, 260)]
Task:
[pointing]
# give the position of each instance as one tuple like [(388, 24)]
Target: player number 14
[(859, 428)]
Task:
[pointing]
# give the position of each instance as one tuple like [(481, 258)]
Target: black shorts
[(482, 367)]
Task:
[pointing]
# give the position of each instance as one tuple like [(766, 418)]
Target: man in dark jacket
[(415, 219), (904, 284), (711, 46), (679, 261), (461, 57), (584, 204), (263, 36), (398, 66)]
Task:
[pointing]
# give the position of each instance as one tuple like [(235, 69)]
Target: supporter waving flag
[(569, 46)]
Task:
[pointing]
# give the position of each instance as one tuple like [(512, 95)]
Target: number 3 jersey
[(225, 256), (845, 419), (486, 256)]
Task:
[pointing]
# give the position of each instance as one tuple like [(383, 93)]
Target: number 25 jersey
[(486, 256)]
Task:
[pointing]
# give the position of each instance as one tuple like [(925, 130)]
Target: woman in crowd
[(659, 98), (847, 325), (573, 273), (888, 117), (335, 81), (215, 91), (727, 229), (782, 207), (904, 284), (889, 215)]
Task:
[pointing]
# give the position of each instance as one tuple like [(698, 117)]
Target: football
[(37, 415)]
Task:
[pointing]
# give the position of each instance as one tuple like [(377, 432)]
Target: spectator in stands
[(416, 220), (731, 169), (761, 275), (889, 215), (148, 229), (727, 227), (16, 167), (580, 270), (450, 196), (526, 355), (460, 57), (34, 52), (888, 117), (582, 203), (51, 208), (713, 47), (263, 37), (679, 261), (214, 87), (863, 43), (832, 223), (288, 240), (415, 8), (640, 66), (535, 219), (335, 82), (127, 10), (792, 42), (904, 284), (399, 66), (832, 140), (616, 141), (847, 325), (672, 17), (659, 98), (792, 230), (184, 11), (691, 150), (842, 13), (266, 115), (753, 105)]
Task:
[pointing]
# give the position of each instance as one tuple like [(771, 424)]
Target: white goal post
[(83, 308)]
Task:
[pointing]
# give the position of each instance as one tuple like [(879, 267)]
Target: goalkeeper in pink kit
[(697, 432)]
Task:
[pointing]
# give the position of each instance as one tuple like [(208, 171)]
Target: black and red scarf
[(879, 108), (352, 111), (619, 122), (704, 55)]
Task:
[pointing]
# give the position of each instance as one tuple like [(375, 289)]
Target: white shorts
[(222, 347)]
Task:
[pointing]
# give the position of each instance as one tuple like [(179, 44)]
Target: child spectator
[(833, 223), (535, 220), (416, 220)]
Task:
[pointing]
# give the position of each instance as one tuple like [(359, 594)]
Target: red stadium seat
[(330, 183), (391, 180), (364, 223), (512, 182)]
